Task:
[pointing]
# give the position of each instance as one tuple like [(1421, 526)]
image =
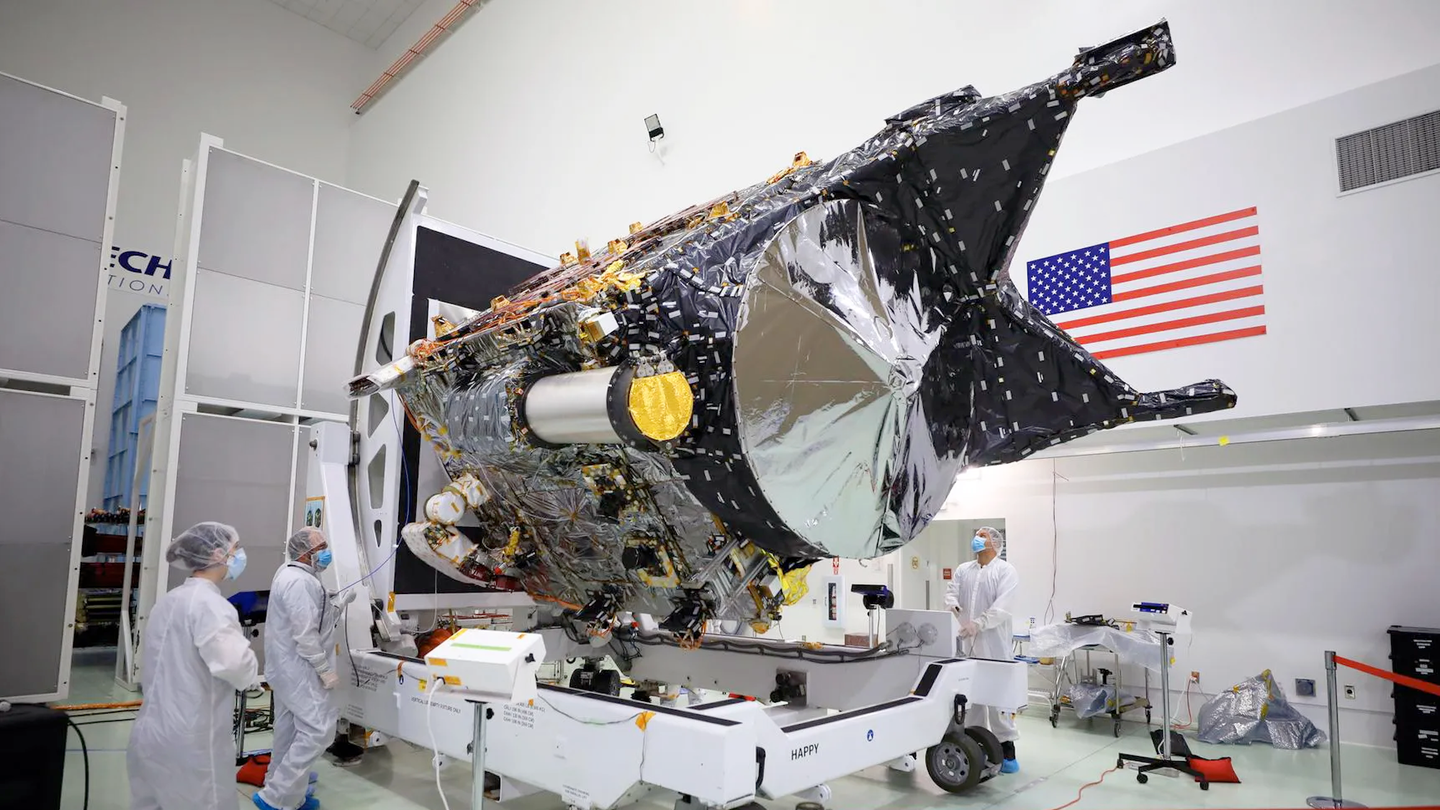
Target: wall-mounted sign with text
[(135, 271)]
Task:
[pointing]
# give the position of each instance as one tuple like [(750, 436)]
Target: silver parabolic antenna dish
[(827, 367)]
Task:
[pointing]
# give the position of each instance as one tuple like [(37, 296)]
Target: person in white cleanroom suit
[(300, 625), (194, 659), (981, 592)]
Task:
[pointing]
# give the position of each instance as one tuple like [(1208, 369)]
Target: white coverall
[(984, 594), (299, 647), (182, 748)]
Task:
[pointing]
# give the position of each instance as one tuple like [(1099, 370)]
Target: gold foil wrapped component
[(800, 161), (636, 227), (794, 586), (583, 290), (668, 578), (582, 249), (662, 405), (615, 276)]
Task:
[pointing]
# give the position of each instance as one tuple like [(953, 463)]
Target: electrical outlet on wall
[(1349, 692), (1304, 687), (1195, 676)]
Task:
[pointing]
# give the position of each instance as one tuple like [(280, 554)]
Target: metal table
[(1060, 698), (1068, 674)]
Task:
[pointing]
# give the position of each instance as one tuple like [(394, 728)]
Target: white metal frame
[(84, 390), (175, 400), (598, 751), (394, 296)]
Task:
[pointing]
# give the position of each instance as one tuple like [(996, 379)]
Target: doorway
[(942, 547)]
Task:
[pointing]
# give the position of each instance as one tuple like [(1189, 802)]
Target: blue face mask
[(322, 560), (235, 565), (977, 544)]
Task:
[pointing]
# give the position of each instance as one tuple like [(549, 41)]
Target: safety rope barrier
[(1403, 680), (1332, 662)]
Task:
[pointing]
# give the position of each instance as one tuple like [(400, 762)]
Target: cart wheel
[(1204, 785), (1117, 728), (1055, 717), (989, 744), (607, 682), (955, 763), (1141, 778), (1147, 717)]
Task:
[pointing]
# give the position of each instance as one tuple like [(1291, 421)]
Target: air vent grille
[(1391, 152)]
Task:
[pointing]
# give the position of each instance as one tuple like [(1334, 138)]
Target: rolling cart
[(1068, 675)]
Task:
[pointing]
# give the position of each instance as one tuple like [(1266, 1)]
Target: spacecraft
[(680, 423)]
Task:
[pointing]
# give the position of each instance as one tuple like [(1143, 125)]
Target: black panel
[(394, 657), (32, 746), (642, 707), (465, 274), (932, 673), (705, 707), (835, 718)]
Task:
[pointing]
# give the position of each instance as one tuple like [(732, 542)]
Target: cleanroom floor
[(1055, 763)]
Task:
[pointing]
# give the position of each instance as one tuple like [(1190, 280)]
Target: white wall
[(1321, 253), (527, 122), (266, 80), (1282, 550)]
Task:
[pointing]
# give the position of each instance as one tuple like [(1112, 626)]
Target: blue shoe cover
[(1010, 766), (311, 803)]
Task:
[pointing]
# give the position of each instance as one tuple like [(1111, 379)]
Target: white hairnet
[(202, 546), (301, 542), (997, 538)]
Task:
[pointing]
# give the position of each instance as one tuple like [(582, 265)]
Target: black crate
[(1414, 639), (1415, 651), (1424, 755), (1417, 708), (1424, 669), (32, 746)]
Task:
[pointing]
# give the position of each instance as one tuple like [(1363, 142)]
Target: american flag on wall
[(1188, 284)]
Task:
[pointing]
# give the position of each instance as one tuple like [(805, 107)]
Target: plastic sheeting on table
[(1255, 710), (1059, 640)]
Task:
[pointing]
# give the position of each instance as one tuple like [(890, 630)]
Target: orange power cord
[(1083, 788)]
